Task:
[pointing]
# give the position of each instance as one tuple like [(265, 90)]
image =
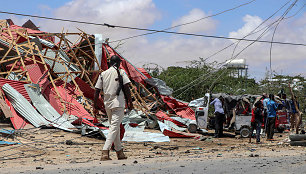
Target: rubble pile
[(47, 80)]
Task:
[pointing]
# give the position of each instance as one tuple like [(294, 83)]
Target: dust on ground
[(42, 147)]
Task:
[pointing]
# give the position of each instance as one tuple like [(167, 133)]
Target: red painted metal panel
[(18, 121), (143, 71), (19, 86), (35, 72), (128, 68), (180, 108), (89, 92), (163, 116), (22, 39), (50, 96), (72, 106), (172, 134)]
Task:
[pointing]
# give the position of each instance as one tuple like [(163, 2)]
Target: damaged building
[(47, 80)]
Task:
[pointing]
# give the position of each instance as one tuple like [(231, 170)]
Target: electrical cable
[(154, 30), (186, 23), (296, 12), (257, 38), (271, 42), (252, 32), (283, 16)]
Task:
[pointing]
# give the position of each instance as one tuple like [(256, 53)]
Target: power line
[(265, 29), (233, 57), (280, 19), (154, 30), (187, 23)]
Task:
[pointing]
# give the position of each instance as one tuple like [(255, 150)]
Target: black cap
[(115, 60)]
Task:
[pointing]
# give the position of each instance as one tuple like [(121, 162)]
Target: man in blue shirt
[(264, 102), (271, 115), (219, 116)]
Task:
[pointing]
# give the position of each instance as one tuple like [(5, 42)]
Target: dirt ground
[(41, 147)]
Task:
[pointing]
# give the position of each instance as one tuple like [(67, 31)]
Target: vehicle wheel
[(192, 128), (297, 137), (298, 143), (245, 132)]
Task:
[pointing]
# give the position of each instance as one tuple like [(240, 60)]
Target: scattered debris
[(39, 168), (38, 72), (7, 143)]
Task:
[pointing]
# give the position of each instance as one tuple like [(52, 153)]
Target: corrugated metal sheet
[(180, 108), (46, 110), (89, 92), (35, 72), (3, 42), (15, 76), (64, 57), (18, 121), (163, 116), (58, 67), (23, 107), (19, 86), (72, 106), (44, 42)]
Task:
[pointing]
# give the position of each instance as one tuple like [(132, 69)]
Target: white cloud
[(287, 59), (203, 26), (135, 13), (167, 50), (251, 23)]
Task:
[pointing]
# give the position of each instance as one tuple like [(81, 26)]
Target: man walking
[(219, 116), (271, 115), (115, 86)]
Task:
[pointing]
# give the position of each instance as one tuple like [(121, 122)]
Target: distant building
[(238, 66)]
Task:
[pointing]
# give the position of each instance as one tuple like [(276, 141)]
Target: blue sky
[(168, 50), (170, 9)]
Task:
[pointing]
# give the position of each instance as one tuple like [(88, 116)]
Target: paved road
[(256, 165)]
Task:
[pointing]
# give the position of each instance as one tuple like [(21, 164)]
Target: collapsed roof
[(51, 69)]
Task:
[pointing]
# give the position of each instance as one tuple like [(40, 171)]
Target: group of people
[(264, 112), (114, 83)]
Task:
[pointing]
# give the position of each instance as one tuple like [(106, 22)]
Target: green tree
[(198, 78)]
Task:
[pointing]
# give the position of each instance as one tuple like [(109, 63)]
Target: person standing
[(271, 116), (257, 119), (115, 85), (219, 116), (294, 116), (265, 110)]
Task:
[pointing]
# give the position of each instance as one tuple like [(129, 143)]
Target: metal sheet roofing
[(58, 67), (17, 85), (45, 108), (35, 72), (18, 121), (23, 107), (72, 106)]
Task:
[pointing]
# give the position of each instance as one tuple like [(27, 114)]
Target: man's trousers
[(270, 127), (219, 120), (115, 117)]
